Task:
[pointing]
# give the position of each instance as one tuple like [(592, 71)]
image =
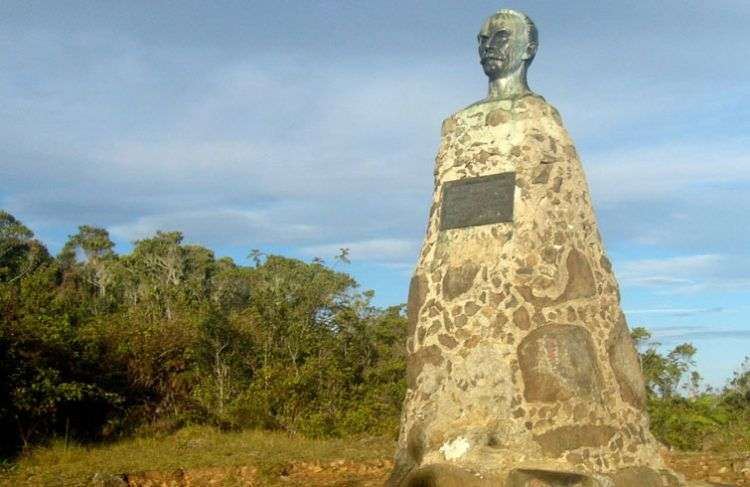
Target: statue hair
[(531, 30)]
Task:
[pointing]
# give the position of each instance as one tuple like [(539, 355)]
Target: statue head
[(507, 43)]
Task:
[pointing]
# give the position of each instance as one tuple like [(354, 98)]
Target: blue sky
[(302, 127)]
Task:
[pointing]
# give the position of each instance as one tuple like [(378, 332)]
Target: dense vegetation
[(686, 415), (96, 345)]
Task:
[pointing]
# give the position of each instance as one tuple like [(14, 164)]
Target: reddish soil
[(720, 469), (711, 467), (313, 474)]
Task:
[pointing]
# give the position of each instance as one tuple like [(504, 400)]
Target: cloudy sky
[(302, 127)]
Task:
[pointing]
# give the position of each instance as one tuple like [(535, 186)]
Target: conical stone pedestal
[(521, 370)]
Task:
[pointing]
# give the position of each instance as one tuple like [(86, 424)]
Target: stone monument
[(521, 370)]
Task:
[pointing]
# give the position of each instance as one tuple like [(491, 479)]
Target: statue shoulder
[(542, 108), (494, 112)]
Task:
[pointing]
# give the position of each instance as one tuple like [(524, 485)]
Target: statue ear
[(530, 50)]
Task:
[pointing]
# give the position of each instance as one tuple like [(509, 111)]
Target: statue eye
[(500, 35)]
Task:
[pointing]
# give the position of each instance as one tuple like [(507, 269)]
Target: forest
[(96, 346)]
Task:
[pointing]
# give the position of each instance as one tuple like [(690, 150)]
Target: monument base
[(521, 370), (447, 475), (520, 363)]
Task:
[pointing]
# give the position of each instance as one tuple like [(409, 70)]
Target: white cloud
[(688, 274), (227, 140), (673, 265), (700, 333), (680, 312), (220, 227), (672, 170)]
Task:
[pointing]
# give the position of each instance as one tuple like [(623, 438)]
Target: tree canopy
[(95, 345)]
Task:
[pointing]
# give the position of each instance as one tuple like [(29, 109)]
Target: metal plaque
[(478, 201)]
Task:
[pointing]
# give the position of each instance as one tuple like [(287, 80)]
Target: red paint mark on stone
[(553, 353)]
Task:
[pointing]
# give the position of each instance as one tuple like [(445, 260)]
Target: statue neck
[(511, 86)]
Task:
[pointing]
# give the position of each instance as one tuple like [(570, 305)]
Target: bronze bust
[(508, 42)]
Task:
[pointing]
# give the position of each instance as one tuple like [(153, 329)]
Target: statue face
[(503, 45)]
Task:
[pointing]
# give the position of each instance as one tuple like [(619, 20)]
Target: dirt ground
[(313, 474), (721, 469)]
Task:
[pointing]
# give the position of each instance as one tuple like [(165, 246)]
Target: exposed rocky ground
[(710, 467), (313, 474), (728, 469)]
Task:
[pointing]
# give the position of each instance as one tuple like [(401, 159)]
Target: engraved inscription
[(478, 201)]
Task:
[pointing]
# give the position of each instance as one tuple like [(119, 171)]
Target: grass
[(187, 449)]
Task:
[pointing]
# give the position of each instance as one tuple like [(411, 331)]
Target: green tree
[(20, 254), (698, 418), (664, 373), (156, 270), (49, 364), (98, 344), (737, 392), (92, 269)]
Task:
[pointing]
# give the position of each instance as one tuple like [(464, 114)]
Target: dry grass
[(194, 448), (202, 456)]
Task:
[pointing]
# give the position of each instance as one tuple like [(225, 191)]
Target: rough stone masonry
[(521, 370)]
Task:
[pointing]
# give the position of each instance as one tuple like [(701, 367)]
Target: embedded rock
[(458, 280), (558, 362), (625, 364), (417, 294)]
